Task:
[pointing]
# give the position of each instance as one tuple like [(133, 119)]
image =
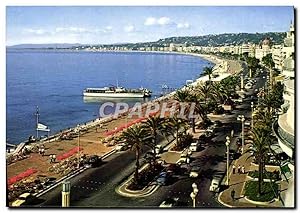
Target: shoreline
[(98, 121)]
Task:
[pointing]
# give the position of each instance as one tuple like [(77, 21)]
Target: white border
[(5, 3)]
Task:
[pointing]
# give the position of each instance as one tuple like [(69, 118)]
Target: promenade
[(93, 141)]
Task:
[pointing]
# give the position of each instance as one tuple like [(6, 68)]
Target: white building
[(283, 128)]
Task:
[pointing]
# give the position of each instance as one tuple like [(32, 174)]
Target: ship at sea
[(116, 92)]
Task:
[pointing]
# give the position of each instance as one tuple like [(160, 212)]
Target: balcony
[(286, 140)]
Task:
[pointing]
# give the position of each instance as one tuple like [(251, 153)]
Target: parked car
[(195, 171), (168, 203), (158, 149), (217, 123), (183, 159), (194, 147), (25, 198), (163, 178), (215, 183)]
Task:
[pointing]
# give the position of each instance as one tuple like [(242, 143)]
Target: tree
[(135, 136), (186, 96), (269, 63), (153, 127), (208, 71), (177, 124), (252, 63), (260, 141)]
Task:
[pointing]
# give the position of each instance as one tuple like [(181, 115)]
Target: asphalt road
[(96, 186)]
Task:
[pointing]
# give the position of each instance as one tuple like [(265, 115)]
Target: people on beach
[(239, 169), (232, 194), (243, 169)]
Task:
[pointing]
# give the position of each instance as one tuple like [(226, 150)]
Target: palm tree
[(177, 124), (153, 127), (208, 71), (252, 63), (135, 136), (260, 142), (269, 63), (186, 96), (264, 119)]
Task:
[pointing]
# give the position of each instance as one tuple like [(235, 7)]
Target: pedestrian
[(239, 169), (233, 169), (232, 195), (243, 169), (54, 158), (51, 159), (40, 150)]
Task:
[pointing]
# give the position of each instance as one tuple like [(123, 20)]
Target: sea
[(54, 81)]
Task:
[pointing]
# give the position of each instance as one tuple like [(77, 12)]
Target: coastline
[(92, 123)]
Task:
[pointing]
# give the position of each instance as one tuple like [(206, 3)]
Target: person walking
[(233, 169), (239, 169), (243, 169), (232, 194)]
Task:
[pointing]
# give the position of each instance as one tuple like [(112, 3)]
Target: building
[(278, 56), (263, 49), (283, 128)]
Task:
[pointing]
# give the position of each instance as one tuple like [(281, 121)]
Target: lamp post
[(194, 194), (78, 129), (252, 106), (242, 81), (242, 119), (227, 143)]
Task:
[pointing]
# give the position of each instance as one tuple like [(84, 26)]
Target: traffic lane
[(92, 180)]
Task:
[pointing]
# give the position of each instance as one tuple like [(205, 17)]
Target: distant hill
[(41, 46), (213, 40), (226, 39), (206, 40)]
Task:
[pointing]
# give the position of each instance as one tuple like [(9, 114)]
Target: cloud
[(150, 21), (34, 31), (164, 21), (185, 25), (129, 28)]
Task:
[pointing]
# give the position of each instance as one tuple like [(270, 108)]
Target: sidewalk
[(237, 182)]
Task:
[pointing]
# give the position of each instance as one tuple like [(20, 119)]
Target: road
[(95, 187)]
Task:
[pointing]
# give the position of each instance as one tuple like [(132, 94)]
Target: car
[(194, 147), (175, 169), (247, 123), (195, 171), (163, 178), (184, 158), (93, 161), (158, 149), (215, 183), (169, 202), (25, 198), (121, 147), (264, 76)]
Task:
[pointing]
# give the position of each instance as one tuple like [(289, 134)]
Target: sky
[(108, 25)]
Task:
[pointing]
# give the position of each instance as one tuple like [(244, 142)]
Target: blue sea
[(54, 81)]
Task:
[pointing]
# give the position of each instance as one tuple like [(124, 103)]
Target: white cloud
[(109, 28), (129, 28), (185, 25), (150, 21), (163, 21), (34, 31)]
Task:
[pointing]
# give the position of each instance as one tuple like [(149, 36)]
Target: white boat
[(116, 92)]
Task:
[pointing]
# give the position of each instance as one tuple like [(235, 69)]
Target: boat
[(116, 92)]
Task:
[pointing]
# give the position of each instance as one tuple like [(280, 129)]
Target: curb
[(223, 203), (73, 174), (138, 193)]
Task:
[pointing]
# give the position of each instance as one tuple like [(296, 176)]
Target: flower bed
[(251, 191), (146, 176)]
